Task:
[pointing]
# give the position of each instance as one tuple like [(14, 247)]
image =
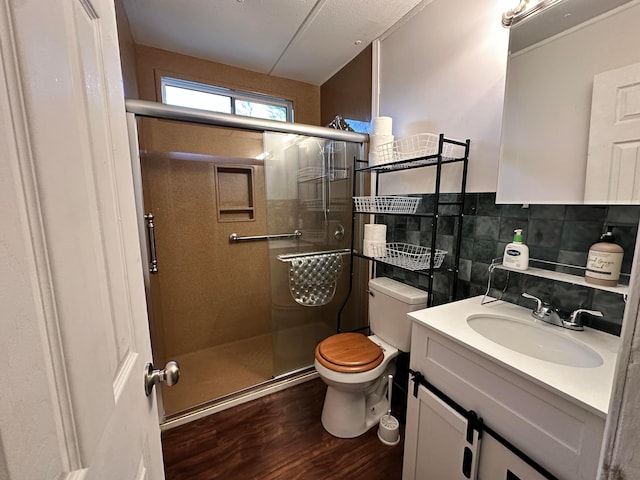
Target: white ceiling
[(306, 40)]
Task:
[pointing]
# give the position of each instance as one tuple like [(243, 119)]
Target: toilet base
[(350, 414)]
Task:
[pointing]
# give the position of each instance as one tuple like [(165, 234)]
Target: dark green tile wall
[(558, 233)]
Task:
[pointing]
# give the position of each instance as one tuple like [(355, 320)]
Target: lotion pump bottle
[(605, 261), (516, 253)]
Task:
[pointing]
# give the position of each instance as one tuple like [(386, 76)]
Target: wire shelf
[(411, 257), (387, 204), (415, 146)]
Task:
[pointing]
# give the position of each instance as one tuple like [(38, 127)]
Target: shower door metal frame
[(145, 108)]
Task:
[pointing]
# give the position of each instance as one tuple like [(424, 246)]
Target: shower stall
[(247, 226)]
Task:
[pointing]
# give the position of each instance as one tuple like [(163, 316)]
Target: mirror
[(553, 59)]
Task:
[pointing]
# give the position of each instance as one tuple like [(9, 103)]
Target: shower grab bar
[(287, 257), (233, 238), (153, 259)]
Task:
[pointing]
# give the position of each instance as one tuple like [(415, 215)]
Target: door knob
[(170, 374)]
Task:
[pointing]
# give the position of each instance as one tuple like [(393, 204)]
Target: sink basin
[(538, 341)]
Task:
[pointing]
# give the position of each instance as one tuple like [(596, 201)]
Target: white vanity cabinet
[(560, 435)]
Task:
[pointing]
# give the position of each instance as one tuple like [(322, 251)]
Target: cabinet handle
[(467, 461), (153, 258)]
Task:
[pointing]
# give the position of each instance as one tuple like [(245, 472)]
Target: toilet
[(356, 367)]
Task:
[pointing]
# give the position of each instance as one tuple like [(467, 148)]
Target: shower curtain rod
[(145, 108)]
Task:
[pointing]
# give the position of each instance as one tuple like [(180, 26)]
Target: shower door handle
[(153, 259), (170, 375)]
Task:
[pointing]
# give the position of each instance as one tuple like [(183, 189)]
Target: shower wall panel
[(208, 291)]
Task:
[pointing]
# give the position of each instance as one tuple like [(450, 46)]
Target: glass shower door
[(308, 188), (210, 302)]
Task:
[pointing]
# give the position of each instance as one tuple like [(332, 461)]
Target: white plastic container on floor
[(389, 428)]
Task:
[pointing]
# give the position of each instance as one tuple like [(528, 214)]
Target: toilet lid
[(349, 353)]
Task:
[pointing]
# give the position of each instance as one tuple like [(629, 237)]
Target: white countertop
[(588, 387)]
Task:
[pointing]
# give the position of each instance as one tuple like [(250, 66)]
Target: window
[(358, 125), (184, 93)]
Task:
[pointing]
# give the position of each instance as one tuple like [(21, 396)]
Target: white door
[(613, 165), (74, 337), (435, 446)]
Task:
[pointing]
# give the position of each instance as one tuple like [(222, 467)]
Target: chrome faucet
[(549, 314)]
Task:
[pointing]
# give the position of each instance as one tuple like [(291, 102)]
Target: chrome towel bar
[(287, 257), (233, 238)]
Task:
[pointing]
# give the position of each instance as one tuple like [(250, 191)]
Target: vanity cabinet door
[(563, 437), (435, 441), (499, 463)]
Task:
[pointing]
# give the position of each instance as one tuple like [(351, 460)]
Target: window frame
[(233, 94)]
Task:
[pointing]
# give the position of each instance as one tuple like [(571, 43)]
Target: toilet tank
[(389, 303)]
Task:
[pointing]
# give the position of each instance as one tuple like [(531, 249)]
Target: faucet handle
[(542, 310), (575, 315), (575, 322), (540, 302)]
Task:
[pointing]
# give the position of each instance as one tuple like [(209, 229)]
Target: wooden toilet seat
[(349, 353)]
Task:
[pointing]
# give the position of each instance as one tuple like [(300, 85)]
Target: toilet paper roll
[(381, 126), (374, 249), (375, 232)]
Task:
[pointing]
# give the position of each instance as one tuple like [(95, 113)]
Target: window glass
[(261, 110), (358, 125), (184, 97), (185, 93)]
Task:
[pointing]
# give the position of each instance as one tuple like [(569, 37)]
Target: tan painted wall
[(348, 92), (153, 62)]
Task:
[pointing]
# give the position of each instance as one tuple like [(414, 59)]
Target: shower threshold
[(254, 392)]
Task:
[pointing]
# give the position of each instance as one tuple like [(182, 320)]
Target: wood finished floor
[(276, 437)]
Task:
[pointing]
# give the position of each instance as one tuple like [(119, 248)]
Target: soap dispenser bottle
[(516, 253), (604, 261)]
